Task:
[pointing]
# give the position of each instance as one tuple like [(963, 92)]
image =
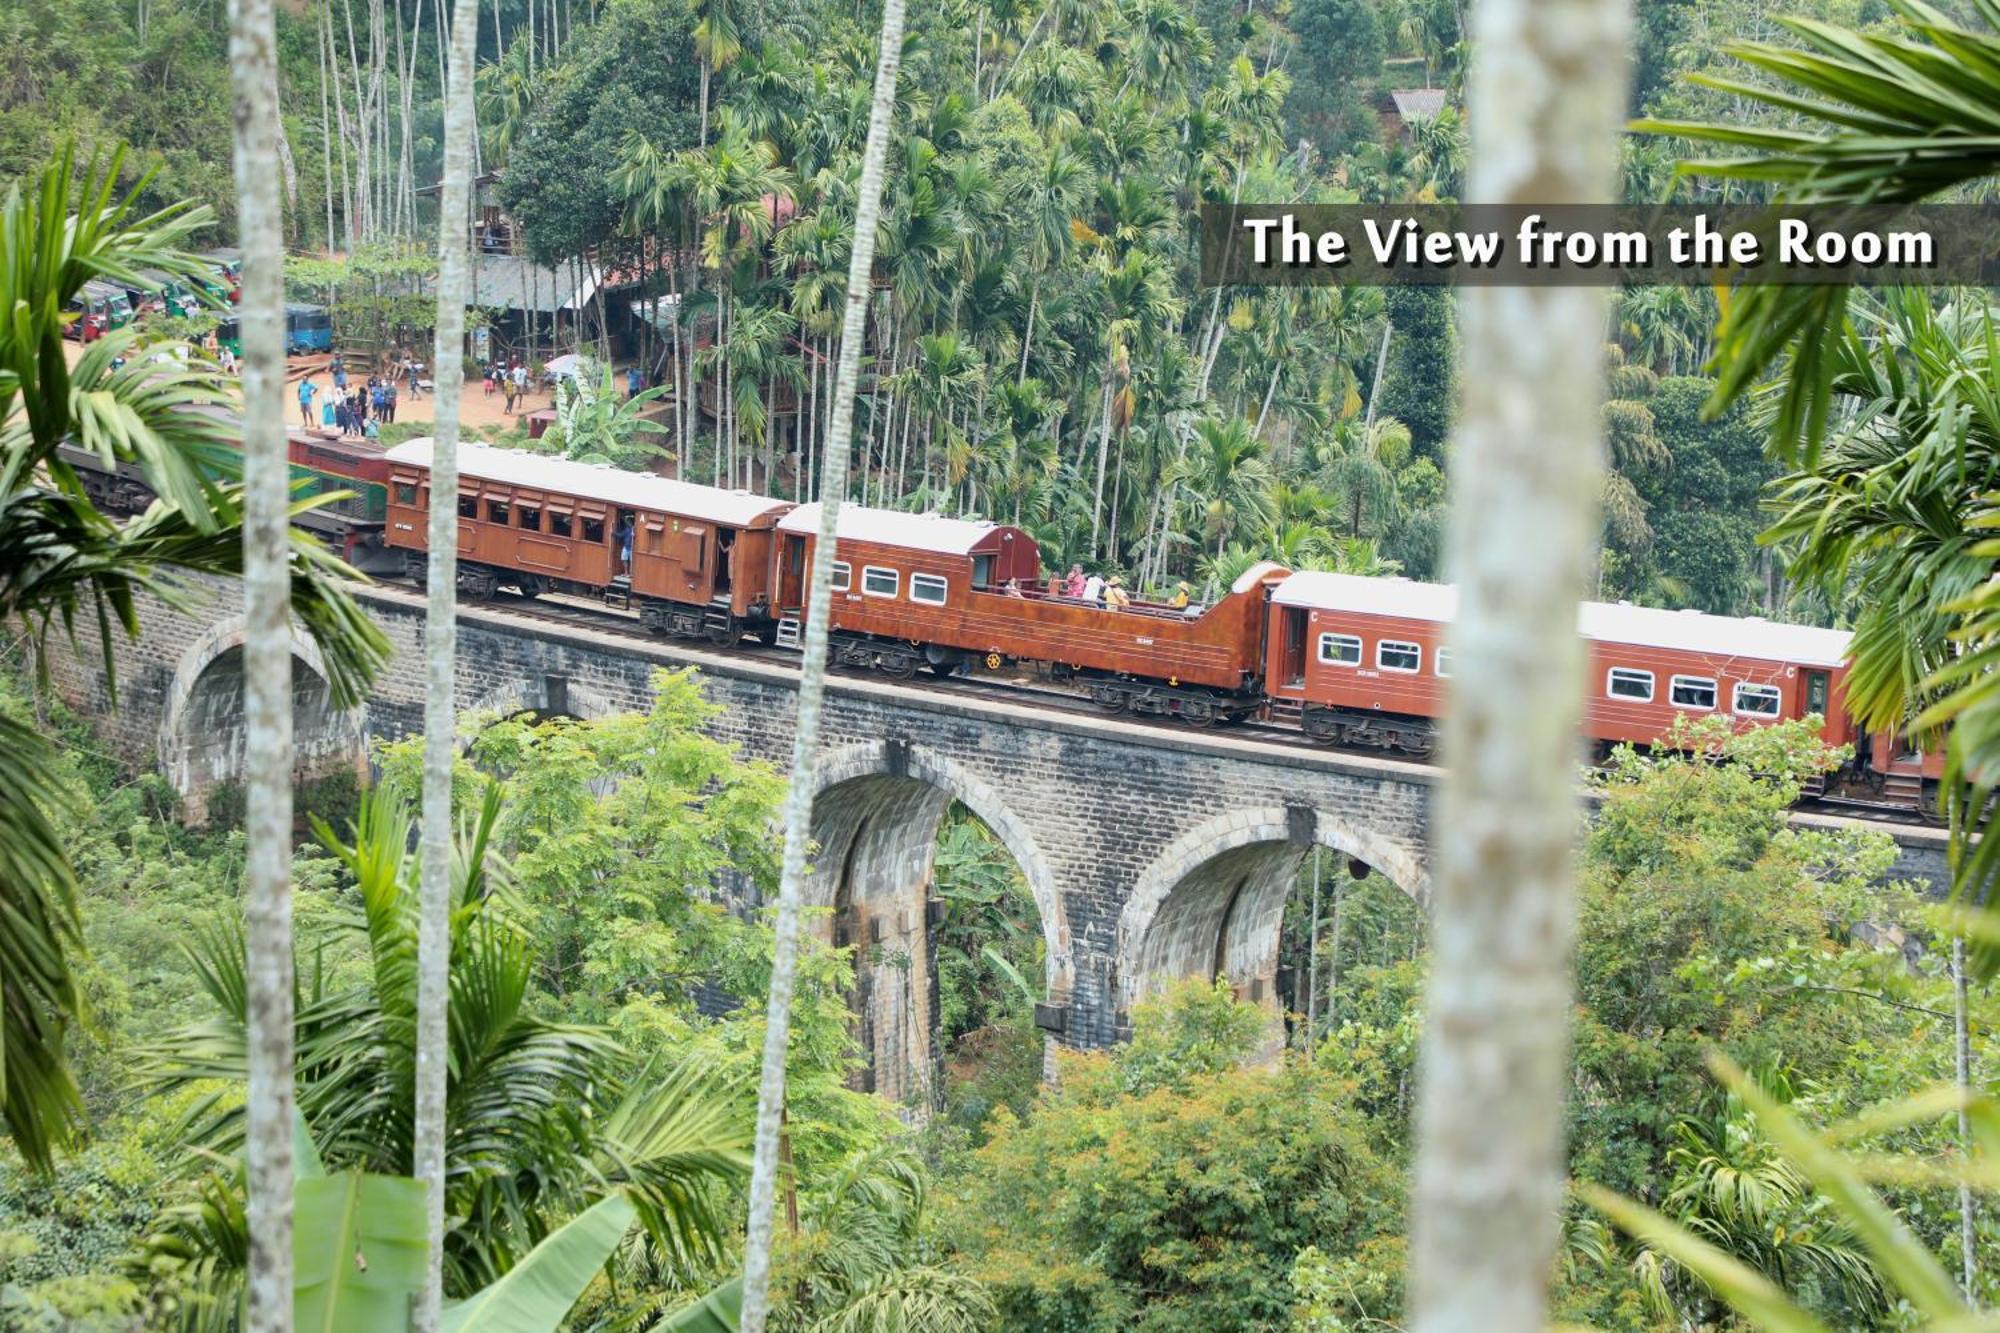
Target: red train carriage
[(917, 589), (695, 560), (1364, 663)]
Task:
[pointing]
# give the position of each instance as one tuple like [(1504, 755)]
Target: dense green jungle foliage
[(1041, 351), (1223, 1169)]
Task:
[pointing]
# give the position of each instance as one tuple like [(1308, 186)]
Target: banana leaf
[(357, 1250), (536, 1293)]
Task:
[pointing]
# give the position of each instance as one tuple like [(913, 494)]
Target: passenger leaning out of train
[(1073, 585), (1115, 596)]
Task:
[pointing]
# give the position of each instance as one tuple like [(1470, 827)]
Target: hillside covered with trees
[(533, 1028)]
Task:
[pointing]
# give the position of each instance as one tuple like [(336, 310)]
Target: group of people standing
[(511, 379), (358, 409), (1108, 593)]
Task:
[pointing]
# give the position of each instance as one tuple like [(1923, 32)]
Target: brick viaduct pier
[(1153, 853)]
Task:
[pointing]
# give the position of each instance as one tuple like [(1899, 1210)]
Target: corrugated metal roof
[(632, 490), (511, 282), (1604, 622), (891, 527), (1418, 103)]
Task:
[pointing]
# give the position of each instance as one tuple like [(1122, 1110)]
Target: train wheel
[(1109, 699), (900, 665), (1199, 713)]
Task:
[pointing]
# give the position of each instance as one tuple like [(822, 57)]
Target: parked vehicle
[(308, 328)]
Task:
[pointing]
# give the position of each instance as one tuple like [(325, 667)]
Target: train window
[(879, 582), (531, 517), (1340, 649), (929, 589), (1441, 663), (468, 506), (496, 512), (1692, 692), (1393, 656), (406, 492), (559, 524), (843, 576), (593, 531), (1757, 700), (1625, 683)]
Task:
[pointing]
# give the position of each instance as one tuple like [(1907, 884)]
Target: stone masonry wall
[(1152, 851)]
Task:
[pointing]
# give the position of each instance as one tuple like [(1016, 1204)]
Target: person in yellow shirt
[(1115, 596), (1179, 600)]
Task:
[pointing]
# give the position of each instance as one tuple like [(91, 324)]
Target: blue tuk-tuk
[(308, 328)]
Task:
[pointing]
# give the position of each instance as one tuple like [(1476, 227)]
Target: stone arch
[(876, 812), (1212, 902), (545, 694), (201, 731)]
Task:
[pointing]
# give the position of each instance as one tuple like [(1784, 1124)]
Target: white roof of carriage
[(1605, 622), (597, 481), (892, 527)]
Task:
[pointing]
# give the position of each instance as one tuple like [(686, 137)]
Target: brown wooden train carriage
[(698, 560), (916, 589), (1364, 662)]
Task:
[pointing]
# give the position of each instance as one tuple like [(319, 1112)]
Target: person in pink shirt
[(1073, 586)]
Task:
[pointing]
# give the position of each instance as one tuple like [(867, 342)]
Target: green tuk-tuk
[(111, 302), (229, 334)]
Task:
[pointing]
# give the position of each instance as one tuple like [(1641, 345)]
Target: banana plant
[(358, 1253)]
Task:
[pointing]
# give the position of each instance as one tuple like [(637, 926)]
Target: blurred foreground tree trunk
[(441, 654), (1546, 100), (267, 664), (812, 678)]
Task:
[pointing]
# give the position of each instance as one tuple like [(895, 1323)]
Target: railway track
[(560, 610)]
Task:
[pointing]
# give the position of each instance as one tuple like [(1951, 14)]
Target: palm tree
[(1733, 1188), (1051, 207), (441, 657), (812, 680), (60, 557), (1545, 110), (1226, 469), (1360, 461), (718, 40), (543, 1117), (267, 666), (1890, 117)]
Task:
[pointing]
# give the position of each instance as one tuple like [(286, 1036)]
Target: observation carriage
[(913, 590)]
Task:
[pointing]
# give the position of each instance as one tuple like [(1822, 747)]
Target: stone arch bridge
[(1153, 853)]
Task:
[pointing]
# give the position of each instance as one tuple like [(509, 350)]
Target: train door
[(626, 533), (792, 572), (1292, 660), (1816, 692), (725, 542)]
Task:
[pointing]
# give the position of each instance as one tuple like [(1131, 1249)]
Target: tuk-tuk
[(117, 305), (228, 268), (168, 295), (88, 320), (99, 308), (229, 334), (308, 328)]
